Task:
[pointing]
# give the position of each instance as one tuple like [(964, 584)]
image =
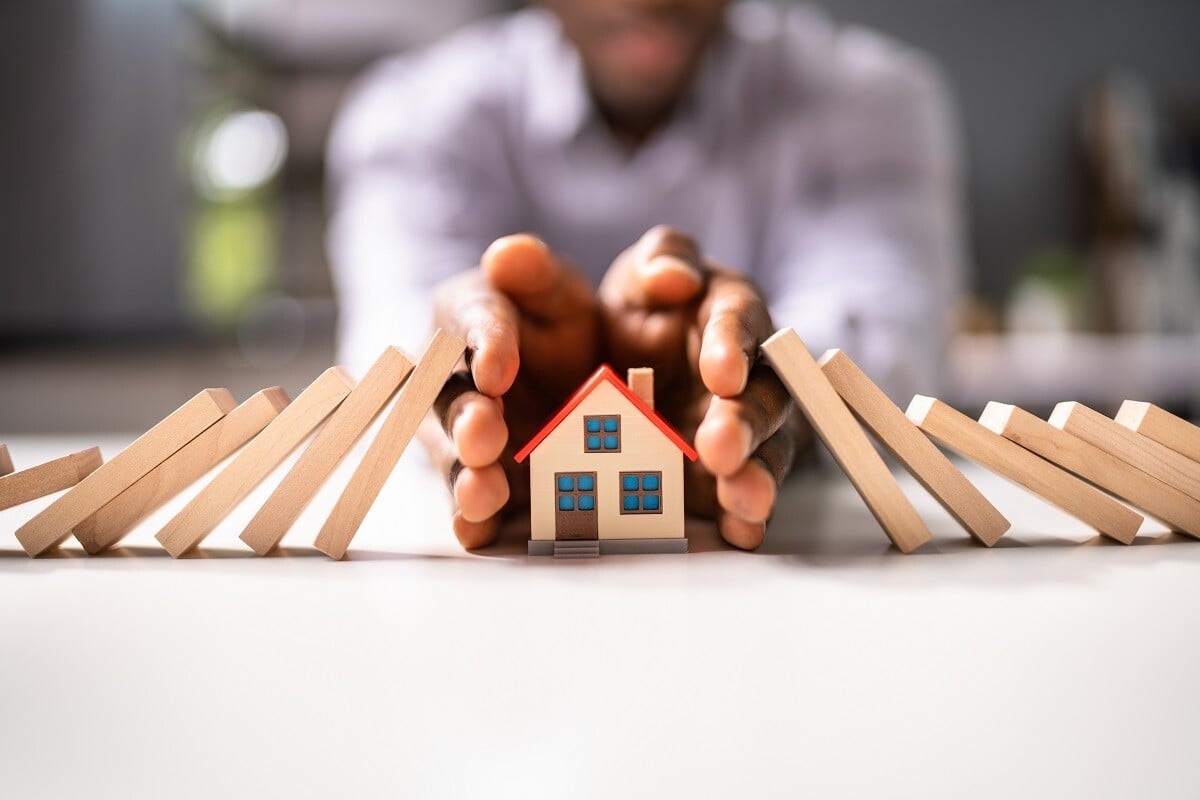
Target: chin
[(643, 95)]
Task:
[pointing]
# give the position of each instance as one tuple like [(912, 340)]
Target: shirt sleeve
[(419, 186), (866, 256)]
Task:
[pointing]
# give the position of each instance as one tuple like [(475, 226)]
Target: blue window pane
[(649, 502), (650, 483), (566, 503), (610, 443), (593, 443), (610, 424), (566, 483), (586, 483), (630, 502), (629, 483), (587, 502), (593, 426)]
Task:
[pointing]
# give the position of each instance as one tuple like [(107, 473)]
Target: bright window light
[(243, 152)]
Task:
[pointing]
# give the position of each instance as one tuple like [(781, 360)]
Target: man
[(814, 165)]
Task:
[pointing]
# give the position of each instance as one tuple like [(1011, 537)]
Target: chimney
[(641, 383)]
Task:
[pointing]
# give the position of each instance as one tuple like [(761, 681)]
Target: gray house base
[(591, 548)]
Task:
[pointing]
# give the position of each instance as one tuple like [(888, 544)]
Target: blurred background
[(162, 219)]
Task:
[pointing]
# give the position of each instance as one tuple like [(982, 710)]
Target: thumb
[(534, 279), (661, 270)]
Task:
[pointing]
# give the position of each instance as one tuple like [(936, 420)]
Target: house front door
[(575, 505)]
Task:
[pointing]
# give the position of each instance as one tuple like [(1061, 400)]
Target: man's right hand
[(521, 308)]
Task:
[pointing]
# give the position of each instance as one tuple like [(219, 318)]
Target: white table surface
[(827, 664)]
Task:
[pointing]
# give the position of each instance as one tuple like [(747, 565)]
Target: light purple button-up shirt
[(820, 161)]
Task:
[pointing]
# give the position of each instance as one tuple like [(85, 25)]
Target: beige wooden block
[(108, 525), (848, 443), (968, 438), (255, 462), (1136, 450), (6, 465), (1162, 426), (412, 402), (1110, 473), (49, 528), (913, 449), (327, 450), (48, 478)]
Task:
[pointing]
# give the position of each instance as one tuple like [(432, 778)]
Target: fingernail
[(669, 263), (741, 364)]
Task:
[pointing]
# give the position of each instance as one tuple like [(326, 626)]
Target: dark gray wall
[(1018, 68), (90, 193)]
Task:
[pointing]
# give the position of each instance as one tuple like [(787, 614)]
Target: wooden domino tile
[(110, 524), (54, 524), (327, 450), (1136, 450), (846, 440), (1180, 512), (6, 465), (412, 403), (913, 449), (255, 462), (969, 439), (45, 479), (1162, 426)]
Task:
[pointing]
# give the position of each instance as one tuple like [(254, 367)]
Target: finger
[(473, 421), (734, 320), (523, 268), (481, 493), (733, 428), (470, 531), (478, 430), (739, 532), (750, 493), (487, 320), (662, 269), (473, 535)]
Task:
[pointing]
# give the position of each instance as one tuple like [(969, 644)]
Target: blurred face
[(639, 55)]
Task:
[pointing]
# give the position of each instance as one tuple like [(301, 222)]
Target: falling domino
[(1133, 448), (913, 449), (327, 450), (1161, 426), (48, 478), (54, 524), (110, 524), (968, 438), (412, 403), (845, 439), (1087, 461), (256, 460), (6, 465)]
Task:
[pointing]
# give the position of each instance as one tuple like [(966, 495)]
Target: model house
[(606, 473)]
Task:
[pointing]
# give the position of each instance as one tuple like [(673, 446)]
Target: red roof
[(605, 373)]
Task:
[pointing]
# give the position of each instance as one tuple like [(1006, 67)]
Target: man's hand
[(535, 331), (531, 328), (699, 325)]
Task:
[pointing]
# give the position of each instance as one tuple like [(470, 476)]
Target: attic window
[(602, 433)]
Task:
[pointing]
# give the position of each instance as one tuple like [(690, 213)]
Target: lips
[(652, 47)]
